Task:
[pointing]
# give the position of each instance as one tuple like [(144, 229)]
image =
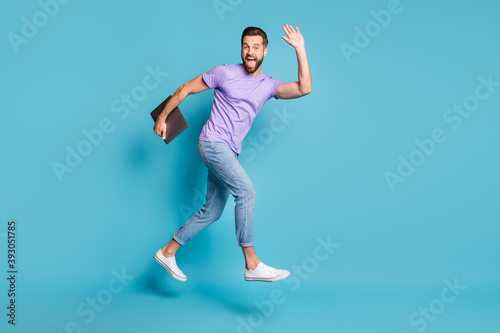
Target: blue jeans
[(225, 176)]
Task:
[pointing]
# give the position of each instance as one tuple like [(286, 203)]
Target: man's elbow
[(306, 90), (184, 90)]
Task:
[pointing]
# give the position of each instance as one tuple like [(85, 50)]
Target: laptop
[(176, 123)]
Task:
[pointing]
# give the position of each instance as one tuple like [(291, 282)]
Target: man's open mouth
[(251, 61)]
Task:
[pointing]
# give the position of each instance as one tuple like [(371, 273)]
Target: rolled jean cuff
[(248, 244), (178, 240)]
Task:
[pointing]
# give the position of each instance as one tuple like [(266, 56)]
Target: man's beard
[(257, 65)]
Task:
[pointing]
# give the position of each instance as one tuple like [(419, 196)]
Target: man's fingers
[(164, 132), (287, 29)]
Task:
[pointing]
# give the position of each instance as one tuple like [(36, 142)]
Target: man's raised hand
[(294, 38)]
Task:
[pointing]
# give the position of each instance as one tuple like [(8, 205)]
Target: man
[(240, 92)]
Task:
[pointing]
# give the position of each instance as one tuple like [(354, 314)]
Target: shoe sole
[(175, 276), (273, 279)]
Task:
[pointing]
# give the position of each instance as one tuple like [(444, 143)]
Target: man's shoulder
[(271, 79), (226, 68), (229, 66), (232, 71), (233, 67)]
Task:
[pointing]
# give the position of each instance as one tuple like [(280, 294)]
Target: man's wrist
[(300, 49)]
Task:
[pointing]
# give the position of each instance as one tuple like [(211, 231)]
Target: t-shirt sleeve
[(274, 86), (215, 77)]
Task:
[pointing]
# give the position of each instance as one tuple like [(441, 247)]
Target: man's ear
[(265, 51)]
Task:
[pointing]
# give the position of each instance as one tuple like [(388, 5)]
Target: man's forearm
[(173, 102), (305, 82)]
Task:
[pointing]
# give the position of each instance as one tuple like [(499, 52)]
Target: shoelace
[(269, 269), (173, 261)]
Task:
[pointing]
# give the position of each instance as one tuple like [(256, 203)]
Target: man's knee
[(217, 214), (247, 193), (252, 193), (211, 212)]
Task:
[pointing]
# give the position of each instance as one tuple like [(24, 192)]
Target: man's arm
[(304, 85), (195, 86)]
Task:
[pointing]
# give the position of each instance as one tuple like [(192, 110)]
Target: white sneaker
[(170, 265), (265, 273)]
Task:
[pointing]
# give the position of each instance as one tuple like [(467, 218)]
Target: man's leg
[(251, 259), (223, 162), (171, 248), (210, 212)]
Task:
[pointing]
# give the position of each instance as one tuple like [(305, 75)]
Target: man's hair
[(254, 31)]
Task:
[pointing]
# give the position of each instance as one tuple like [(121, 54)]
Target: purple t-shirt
[(238, 98)]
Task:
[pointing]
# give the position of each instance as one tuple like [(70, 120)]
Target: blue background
[(321, 176)]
